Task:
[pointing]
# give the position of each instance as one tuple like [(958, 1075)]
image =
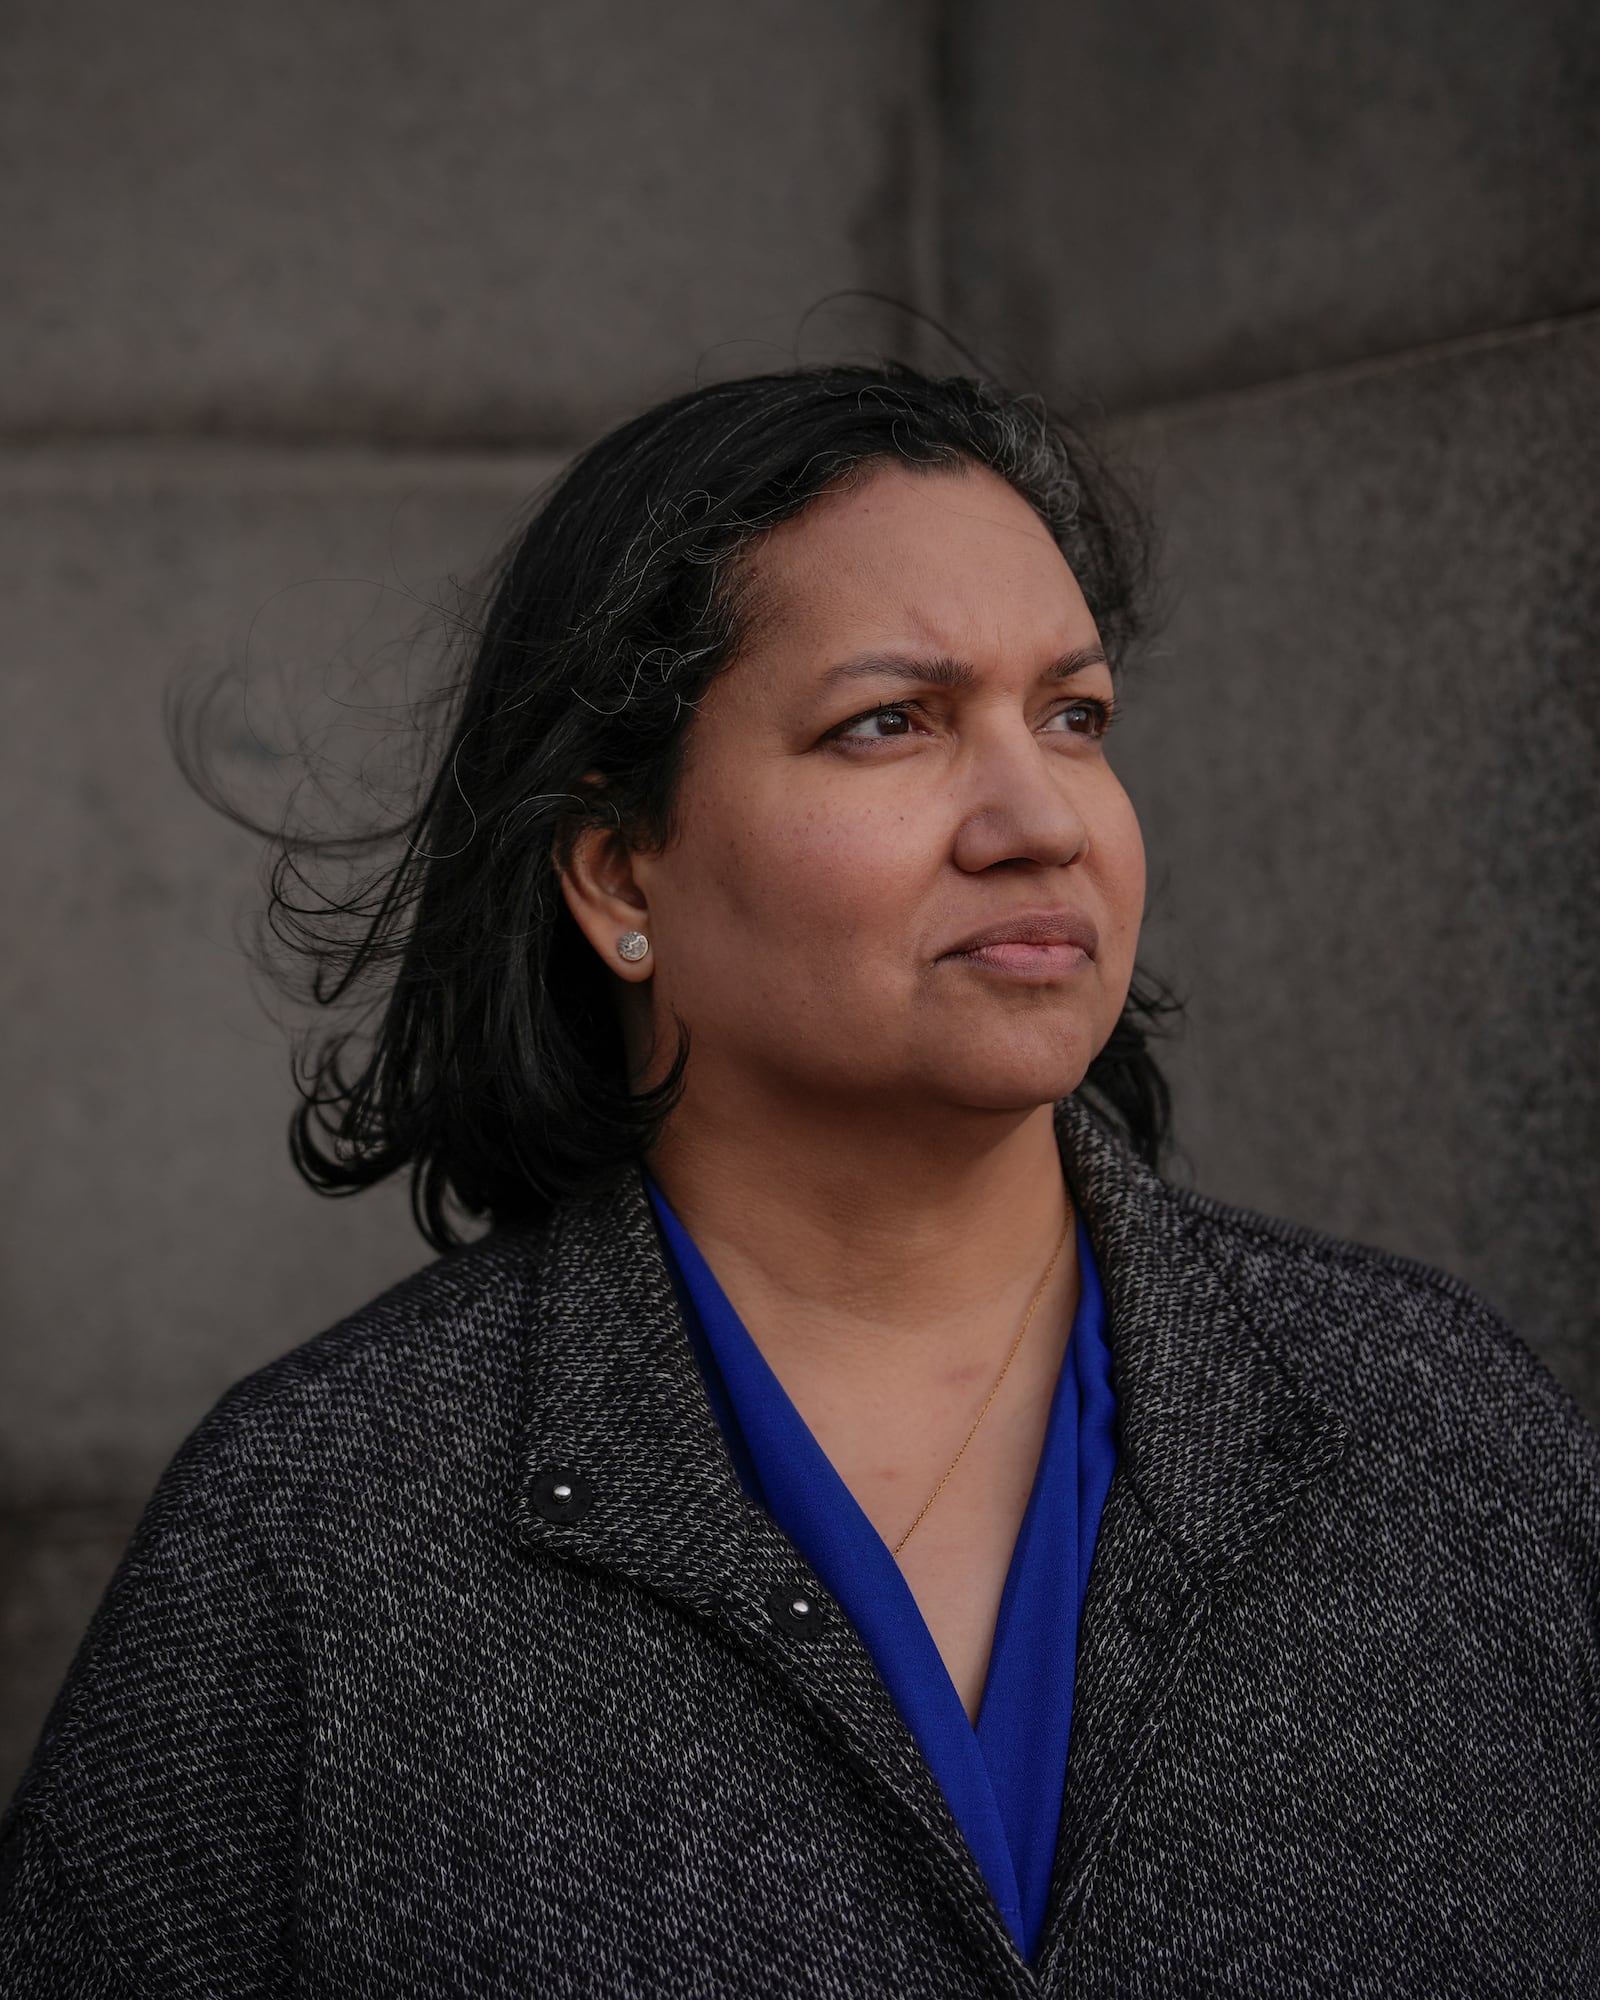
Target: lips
[(1034, 927)]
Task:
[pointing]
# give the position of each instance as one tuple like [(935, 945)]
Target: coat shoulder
[(315, 1469), (1415, 1362), (426, 1373), (449, 1329), (389, 1409)]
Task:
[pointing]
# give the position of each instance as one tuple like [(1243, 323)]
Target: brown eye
[(845, 731), (1101, 715)]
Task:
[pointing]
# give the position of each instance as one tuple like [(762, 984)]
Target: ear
[(604, 897)]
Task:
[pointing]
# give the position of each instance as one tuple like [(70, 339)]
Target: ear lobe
[(598, 883)]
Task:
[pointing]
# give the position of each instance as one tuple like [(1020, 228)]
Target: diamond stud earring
[(632, 945)]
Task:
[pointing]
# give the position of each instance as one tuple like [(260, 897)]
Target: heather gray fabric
[(368, 1709)]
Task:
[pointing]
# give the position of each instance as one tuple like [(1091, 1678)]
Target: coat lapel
[(613, 1395), (1217, 1443)]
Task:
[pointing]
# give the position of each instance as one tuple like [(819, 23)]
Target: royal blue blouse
[(1003, 1778)]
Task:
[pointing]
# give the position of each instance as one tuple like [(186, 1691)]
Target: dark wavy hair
[(485, 1055)]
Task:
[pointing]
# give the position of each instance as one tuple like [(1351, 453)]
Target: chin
[(1034, 1062)]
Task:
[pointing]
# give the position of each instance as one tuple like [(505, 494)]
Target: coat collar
[(1217, 1442)]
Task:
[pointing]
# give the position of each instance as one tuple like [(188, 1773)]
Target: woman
[(696, 1583)]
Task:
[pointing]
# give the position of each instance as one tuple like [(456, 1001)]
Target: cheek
[(1131, 848), (802, 873), (783, 923), (1123, 871)]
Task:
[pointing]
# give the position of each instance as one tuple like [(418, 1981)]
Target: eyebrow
[(944, 670)]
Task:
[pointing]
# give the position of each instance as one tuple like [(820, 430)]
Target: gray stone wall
[(1365, 759), (305, 302)]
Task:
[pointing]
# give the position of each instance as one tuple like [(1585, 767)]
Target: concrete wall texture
[(304, 303)]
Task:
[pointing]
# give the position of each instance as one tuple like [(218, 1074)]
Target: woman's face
[(907, 754)]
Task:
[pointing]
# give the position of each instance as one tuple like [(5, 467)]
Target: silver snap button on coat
[(794, 1609), (560, 1494)]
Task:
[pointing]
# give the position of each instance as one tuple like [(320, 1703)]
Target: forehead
[(938, 555)]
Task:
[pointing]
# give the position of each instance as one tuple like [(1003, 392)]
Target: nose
[(1019, 800)]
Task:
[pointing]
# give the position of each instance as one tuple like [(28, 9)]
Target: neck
[(868, 1240)]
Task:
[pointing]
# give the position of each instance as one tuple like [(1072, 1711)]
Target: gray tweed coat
[(371, 1708)]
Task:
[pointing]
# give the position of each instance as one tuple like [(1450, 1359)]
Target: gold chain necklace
[(1021, 1330)]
